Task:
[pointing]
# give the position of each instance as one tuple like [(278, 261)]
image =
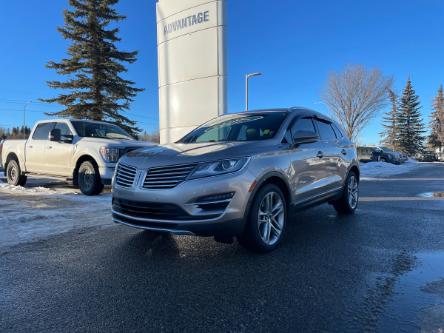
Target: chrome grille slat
[(125, 175), (168, 176), (123, 171), (160, 183), (170, 170), (128, 178)]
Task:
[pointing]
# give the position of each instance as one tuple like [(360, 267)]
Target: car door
[(330, 153), (35, 148), (345, 151), (307, 168), (59, 154)]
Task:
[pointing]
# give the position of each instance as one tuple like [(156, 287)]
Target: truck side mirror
[(68, 138), (55, 135)]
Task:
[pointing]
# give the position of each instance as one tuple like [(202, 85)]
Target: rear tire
[(267, 220), (349, 200), (88, 179), (14, 175)]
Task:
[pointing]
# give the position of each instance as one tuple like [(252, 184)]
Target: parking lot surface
[(379, 270)]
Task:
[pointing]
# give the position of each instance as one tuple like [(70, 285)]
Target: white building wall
[(191, 60)]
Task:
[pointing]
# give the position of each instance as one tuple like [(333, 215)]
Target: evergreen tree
[(411, 128), (95, 88), (436, 138), (390, 133)]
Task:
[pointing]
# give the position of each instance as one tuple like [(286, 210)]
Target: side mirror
[(55, 135), (68, 138), (301, 137)]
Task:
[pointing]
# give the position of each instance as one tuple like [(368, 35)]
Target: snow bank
[(38, 186), (383, 169), (40, 190), (47, 207)]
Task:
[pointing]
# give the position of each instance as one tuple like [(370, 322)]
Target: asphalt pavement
[(381, 269)]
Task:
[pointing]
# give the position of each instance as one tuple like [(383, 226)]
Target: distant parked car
[(365, 153), (426, 156), (384, 154)]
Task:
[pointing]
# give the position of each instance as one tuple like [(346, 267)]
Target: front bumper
[(107, 173), (191, 208)]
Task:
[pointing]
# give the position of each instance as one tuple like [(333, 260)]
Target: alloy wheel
[(353, 192), (88, 178), (12, 174), (271, 218)]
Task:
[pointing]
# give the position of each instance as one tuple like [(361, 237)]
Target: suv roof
[(299, 110)]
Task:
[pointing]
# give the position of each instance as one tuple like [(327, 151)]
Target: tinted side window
[(303, 125), (64, 129), (325, 130), (42, 131), (339, 131)]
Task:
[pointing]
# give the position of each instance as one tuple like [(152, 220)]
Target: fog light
[(215, 198)]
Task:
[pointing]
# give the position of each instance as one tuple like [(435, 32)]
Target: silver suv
[(239, 175)]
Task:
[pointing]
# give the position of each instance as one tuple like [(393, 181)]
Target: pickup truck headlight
[(110, 155), (219, 167)]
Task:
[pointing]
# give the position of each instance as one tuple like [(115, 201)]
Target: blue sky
[(294, 43)]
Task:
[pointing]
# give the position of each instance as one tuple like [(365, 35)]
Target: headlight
[(219, 167), (110, 154)]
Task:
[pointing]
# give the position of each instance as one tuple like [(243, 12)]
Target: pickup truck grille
[(125, 175), (167, 177)]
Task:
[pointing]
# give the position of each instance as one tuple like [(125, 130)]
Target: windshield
[(100, 130), (238, 127)]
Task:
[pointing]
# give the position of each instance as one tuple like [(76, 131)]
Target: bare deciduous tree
[(355, 96)]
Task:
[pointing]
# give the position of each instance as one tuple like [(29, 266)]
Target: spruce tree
[(390, 133), (436, 138), (411, 128), (95, 88)]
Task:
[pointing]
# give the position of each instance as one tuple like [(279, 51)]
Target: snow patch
[(383, 169), (20, 189)]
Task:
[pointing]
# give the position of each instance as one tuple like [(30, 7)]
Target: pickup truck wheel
[(14, 174), (267, 220), (88, 179)]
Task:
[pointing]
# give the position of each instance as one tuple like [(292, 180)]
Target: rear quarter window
[(326, 131)]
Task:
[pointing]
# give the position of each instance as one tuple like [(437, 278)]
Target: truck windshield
[(238, 127), (100, 130)]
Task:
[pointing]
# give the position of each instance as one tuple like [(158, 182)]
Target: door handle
[(49, 147), (320, 154), (343, 152), (30, 147)]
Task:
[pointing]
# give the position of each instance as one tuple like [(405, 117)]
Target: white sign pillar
[(191, 62)]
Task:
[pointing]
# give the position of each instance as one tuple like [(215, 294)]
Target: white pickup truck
[(83, 151)]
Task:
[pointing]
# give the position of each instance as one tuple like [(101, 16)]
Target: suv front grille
[(125, 175), (167, 177)]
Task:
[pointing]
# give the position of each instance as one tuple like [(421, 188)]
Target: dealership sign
[(186, 22)]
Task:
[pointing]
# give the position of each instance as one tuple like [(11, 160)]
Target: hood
[(179, 153), (116, 143)]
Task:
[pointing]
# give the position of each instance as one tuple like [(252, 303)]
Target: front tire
[(88, 179), (14, 174), (349, 200), (267, 220)]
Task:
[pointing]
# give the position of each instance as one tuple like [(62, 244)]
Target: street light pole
[(247, 78)]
